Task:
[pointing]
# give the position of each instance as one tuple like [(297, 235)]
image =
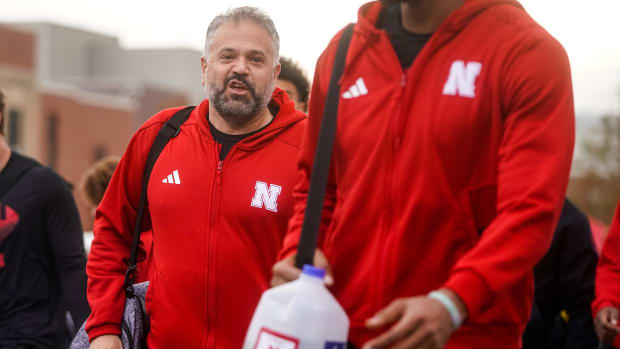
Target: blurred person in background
[(564, 288), (606, 305), (219, 199), (96, 179), (293, 80), (92, 186), (42, 257), (453, 151)]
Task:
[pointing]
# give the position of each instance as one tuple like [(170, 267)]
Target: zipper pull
[(403, 80), (219, 166)]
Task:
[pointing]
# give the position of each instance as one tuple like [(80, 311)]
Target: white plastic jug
[(302, 314)]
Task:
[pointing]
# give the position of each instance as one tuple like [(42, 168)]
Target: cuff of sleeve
[(472, 290), (104, 330), (599, 304), (289, 246)]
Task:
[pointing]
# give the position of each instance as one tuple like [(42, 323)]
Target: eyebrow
[(231, 50)]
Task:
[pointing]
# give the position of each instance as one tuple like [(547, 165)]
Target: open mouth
[(237, 86)]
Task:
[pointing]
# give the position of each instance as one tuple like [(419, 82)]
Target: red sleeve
[(113, 231), (306, 158), (607, 289), (533, 167)]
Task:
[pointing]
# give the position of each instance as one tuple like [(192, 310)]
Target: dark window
[(100, 152), (14, 123), (52, 139)]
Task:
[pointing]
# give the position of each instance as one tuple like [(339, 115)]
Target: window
[(99, 153), (14, 125), (52, 140)]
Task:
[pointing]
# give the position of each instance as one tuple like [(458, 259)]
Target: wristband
[(448, 303)]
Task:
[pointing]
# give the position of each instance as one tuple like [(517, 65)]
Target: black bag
[(135, 322)]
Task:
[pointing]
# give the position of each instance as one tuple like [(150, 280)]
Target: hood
[(287, 116), (369, 13)]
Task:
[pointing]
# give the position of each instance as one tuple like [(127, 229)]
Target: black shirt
[(42, 266), (564, 280), (228, 141), (407, 45)]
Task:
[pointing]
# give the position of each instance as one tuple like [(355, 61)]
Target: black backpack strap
[(171, 129), (322, 156)]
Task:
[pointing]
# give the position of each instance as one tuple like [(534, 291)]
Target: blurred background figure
[(607, 303), (42, 256), (96, 180), (293, 80), (564, 281), (93, 186)]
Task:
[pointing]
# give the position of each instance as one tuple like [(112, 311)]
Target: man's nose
[(241, 67)]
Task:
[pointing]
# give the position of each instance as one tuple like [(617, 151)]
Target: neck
[(5, 153), (425, 16), (257, 122)]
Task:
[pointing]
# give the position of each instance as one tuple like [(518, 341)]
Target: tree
[(596, 188)]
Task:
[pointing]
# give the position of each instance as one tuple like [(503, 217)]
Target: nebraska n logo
[(266, 195), (462, 79)]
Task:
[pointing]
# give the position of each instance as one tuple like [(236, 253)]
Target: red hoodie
[(217, 229), (607, 290), (450, 174)]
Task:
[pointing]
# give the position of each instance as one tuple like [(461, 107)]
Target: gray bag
[(135, 323)]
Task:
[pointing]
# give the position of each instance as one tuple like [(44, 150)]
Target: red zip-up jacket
[(450, 174), (217, 228), (607, 288)]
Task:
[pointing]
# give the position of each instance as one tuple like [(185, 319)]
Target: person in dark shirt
[(293, 80), (564, 280), (42, 259)]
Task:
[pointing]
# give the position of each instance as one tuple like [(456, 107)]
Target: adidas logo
[(358, 89), (173, 178)]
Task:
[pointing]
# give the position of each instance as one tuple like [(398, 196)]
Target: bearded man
[(219, 199)]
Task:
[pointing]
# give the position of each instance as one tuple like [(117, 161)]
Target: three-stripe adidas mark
[(358, 89), (173, 178)]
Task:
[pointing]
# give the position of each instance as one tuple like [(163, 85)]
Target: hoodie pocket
[(479, 206), (151, 292)]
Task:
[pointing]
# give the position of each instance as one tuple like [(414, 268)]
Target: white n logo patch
[(266, 195), (462, 79)]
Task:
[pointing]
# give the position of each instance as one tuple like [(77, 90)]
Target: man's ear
[(276, 71), (203, 68)]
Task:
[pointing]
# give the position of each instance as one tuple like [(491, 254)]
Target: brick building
[(63, 112)]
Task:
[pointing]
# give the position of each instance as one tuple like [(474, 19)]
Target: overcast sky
[(589, 30)]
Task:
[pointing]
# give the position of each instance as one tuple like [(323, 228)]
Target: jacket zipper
[(211, 250), (211, 246), (389, 216)]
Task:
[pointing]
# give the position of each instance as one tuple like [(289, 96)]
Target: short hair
[(96, 179), (2, 112), (292, 72), (245, 13)]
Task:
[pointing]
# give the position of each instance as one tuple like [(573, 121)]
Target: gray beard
[(239, 110)]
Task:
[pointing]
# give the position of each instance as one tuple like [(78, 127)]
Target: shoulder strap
[(171, 129), (322, 156)]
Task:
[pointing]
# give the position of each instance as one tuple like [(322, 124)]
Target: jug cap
[(311, 270)]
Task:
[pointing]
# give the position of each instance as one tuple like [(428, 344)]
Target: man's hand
[(606, 324), (285, 271), (421, 322), (107, 342)]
